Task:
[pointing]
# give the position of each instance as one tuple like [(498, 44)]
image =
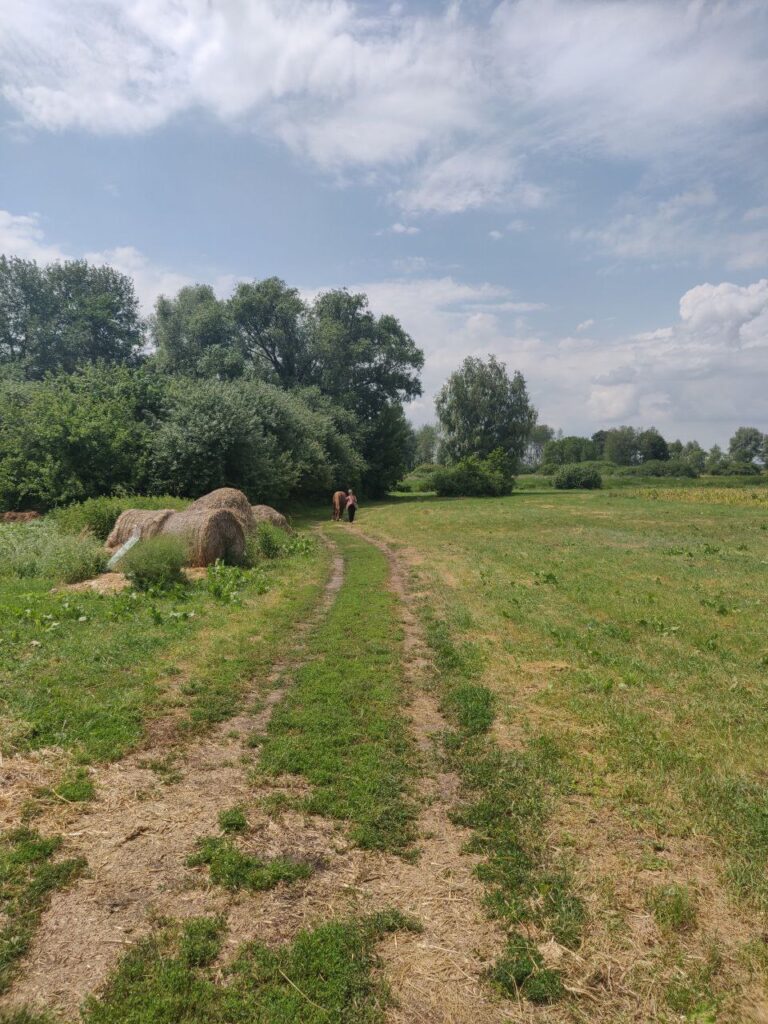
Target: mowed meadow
[(496, 759), (614, 646)]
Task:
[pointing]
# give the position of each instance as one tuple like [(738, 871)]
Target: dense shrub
[(602, 467), (155, 562), (270, 540), (579, 474), (40, 549), (419, 480), (98, 515), (472, 477)]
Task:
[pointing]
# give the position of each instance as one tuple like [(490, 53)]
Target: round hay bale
[(232, 500), (265, 514), (147, 522), (210, 535)]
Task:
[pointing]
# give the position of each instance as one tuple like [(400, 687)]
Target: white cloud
[(688, 226), (410, 264), (401, 229), (442, 108), (496, 234), (698, 378), (585, 325), (23, 236)]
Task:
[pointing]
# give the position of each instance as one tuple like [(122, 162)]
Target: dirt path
[(139, 833), (136, 838)]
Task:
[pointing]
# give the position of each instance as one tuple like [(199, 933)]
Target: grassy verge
[(325, 976), (340, 724), (28, 877), (85, 672)]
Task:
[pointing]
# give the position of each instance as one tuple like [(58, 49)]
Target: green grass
[(233, 820), (86, 672), (340, 724), (674, 907), (325, 976), (233, 869), (28, 877)]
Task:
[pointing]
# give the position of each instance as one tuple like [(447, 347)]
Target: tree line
[(264, 391)]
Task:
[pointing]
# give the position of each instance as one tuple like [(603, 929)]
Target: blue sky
[(578, 186)]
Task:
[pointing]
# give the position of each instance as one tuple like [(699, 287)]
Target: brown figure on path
[(339, 504), (351, 505)]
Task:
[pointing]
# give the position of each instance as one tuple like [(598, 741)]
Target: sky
[(577, 186)]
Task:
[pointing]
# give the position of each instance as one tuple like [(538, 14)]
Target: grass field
[(601, 665), (622, 634)]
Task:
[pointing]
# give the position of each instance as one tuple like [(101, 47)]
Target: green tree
[(195, 335), (481, 408), (621, 447), (716, 461), (746, 445), (271, 320), (76, 436), (365, 362), (694, 456), (598, 439), (651, 445), (539, 436), (564, 451), (426, 444), (59, 318), (386, 448)]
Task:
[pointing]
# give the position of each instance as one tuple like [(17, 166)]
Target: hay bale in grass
[(147, 522), (265, 514), (210, 534), (232, 500)]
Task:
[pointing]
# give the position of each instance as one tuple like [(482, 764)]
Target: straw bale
[(210, 534), (266, 514), (148, 523), (232, 500), (18, 517)]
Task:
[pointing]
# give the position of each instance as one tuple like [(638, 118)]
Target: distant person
[(351, 505), (339, 504)]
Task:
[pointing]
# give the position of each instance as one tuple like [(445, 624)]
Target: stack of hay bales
[(147, 523), (214, 527), (266, 514)]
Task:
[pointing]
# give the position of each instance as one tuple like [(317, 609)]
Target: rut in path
[(139, 834)]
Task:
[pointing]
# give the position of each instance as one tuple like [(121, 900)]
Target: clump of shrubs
[(577, 475), (156, 563), (473, 477), (659, 467), (269, 541)]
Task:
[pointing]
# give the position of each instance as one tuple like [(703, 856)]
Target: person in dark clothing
[(351, 505)]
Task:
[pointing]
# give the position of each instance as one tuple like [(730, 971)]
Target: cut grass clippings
[(340, 724), (28, 877), (325, 976)]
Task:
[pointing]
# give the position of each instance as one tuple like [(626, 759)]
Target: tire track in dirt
[(436, 976), (136, 838)]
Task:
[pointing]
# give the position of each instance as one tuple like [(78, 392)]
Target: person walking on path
[(351, 505)]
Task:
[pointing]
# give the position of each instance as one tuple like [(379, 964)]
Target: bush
[(270, 540), (98, 515), (472, 477), (155, 562), (41, 549), (577, 475), (419, 480)]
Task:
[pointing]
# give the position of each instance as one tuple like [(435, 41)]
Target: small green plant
[(575, 476), (76, 788), (233, 869), (156, 563), (675, 908), (521, 971), (233, 820), (270, 540)]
